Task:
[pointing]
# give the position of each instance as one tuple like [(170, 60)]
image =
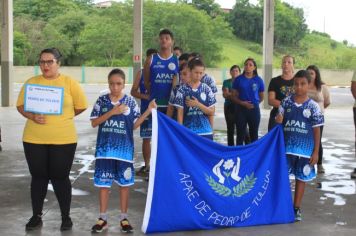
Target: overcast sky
[(338, 16)]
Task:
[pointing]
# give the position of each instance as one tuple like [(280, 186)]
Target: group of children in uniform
[(182, 90)]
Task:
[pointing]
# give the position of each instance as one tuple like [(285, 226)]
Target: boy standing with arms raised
[(301, 118)]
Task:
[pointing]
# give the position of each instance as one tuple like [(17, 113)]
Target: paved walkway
[(329, 205)]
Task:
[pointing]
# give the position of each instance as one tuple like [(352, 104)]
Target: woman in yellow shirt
[(50, 140)]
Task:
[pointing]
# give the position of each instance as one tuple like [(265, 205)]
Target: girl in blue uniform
[(117, 115), (195, 102), (184, 76), (247, 94)]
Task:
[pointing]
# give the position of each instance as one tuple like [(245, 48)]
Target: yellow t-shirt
[(59, 129)]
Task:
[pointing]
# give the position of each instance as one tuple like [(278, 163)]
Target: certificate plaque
[(44, 99)]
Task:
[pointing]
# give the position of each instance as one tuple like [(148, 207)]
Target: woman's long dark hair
[(318, 82), (254, 63)]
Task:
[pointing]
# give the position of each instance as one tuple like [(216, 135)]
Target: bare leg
[(104, 199), (299, 192), (146, 151), (124, 199)]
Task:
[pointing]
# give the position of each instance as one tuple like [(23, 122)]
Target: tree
[(33, 30), (247, 21), (105, 42), (290, 25), (209, 6), (70, 25), (193, 29), (54, 38), (43, 9), (20, 44), (107, 38)]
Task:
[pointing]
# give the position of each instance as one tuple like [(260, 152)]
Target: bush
[(333, 44), (256, 48)]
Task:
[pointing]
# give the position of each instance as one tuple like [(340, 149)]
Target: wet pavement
[(329, 204)]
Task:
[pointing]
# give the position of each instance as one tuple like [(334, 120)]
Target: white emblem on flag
[(224, 170)]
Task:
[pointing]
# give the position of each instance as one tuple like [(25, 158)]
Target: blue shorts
[(108, 170), (146, 128), (300, 168)]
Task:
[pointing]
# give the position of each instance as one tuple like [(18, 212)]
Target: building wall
[(99, 74)]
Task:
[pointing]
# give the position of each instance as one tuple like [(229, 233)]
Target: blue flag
[(199, 184)]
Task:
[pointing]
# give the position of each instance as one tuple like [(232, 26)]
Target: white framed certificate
[(44, 99)]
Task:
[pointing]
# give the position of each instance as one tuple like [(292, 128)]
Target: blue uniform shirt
[(210, 81), (249, 89), (172, 98), (298, 123), (115, 135), (146, 126), (194, 118), (162, 72), (143, 90)]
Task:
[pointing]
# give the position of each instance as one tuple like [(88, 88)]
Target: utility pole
[(137, 37), (7, 63), (268, 30)]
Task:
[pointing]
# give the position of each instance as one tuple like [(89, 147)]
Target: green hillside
[(235, 51), (326, 53), (314, 49)]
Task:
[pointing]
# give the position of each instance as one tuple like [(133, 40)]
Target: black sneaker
[(125, 226), (99, 226), (297, 214), (35, 222), (353, 174), (67, 223)]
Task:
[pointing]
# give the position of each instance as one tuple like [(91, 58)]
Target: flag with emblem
[(199, 184)]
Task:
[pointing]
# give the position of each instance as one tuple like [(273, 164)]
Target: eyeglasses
[(47, 62)]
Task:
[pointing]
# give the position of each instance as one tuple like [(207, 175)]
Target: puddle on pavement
[(341, 223), (338, 163), (20, 175), (346, 187), (339, 160), (338, 200), (75, 191), (141, 190)]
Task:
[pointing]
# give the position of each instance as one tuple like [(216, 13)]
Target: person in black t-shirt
[(280, 87)]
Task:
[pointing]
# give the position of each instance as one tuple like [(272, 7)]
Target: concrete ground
[(329, 204)]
